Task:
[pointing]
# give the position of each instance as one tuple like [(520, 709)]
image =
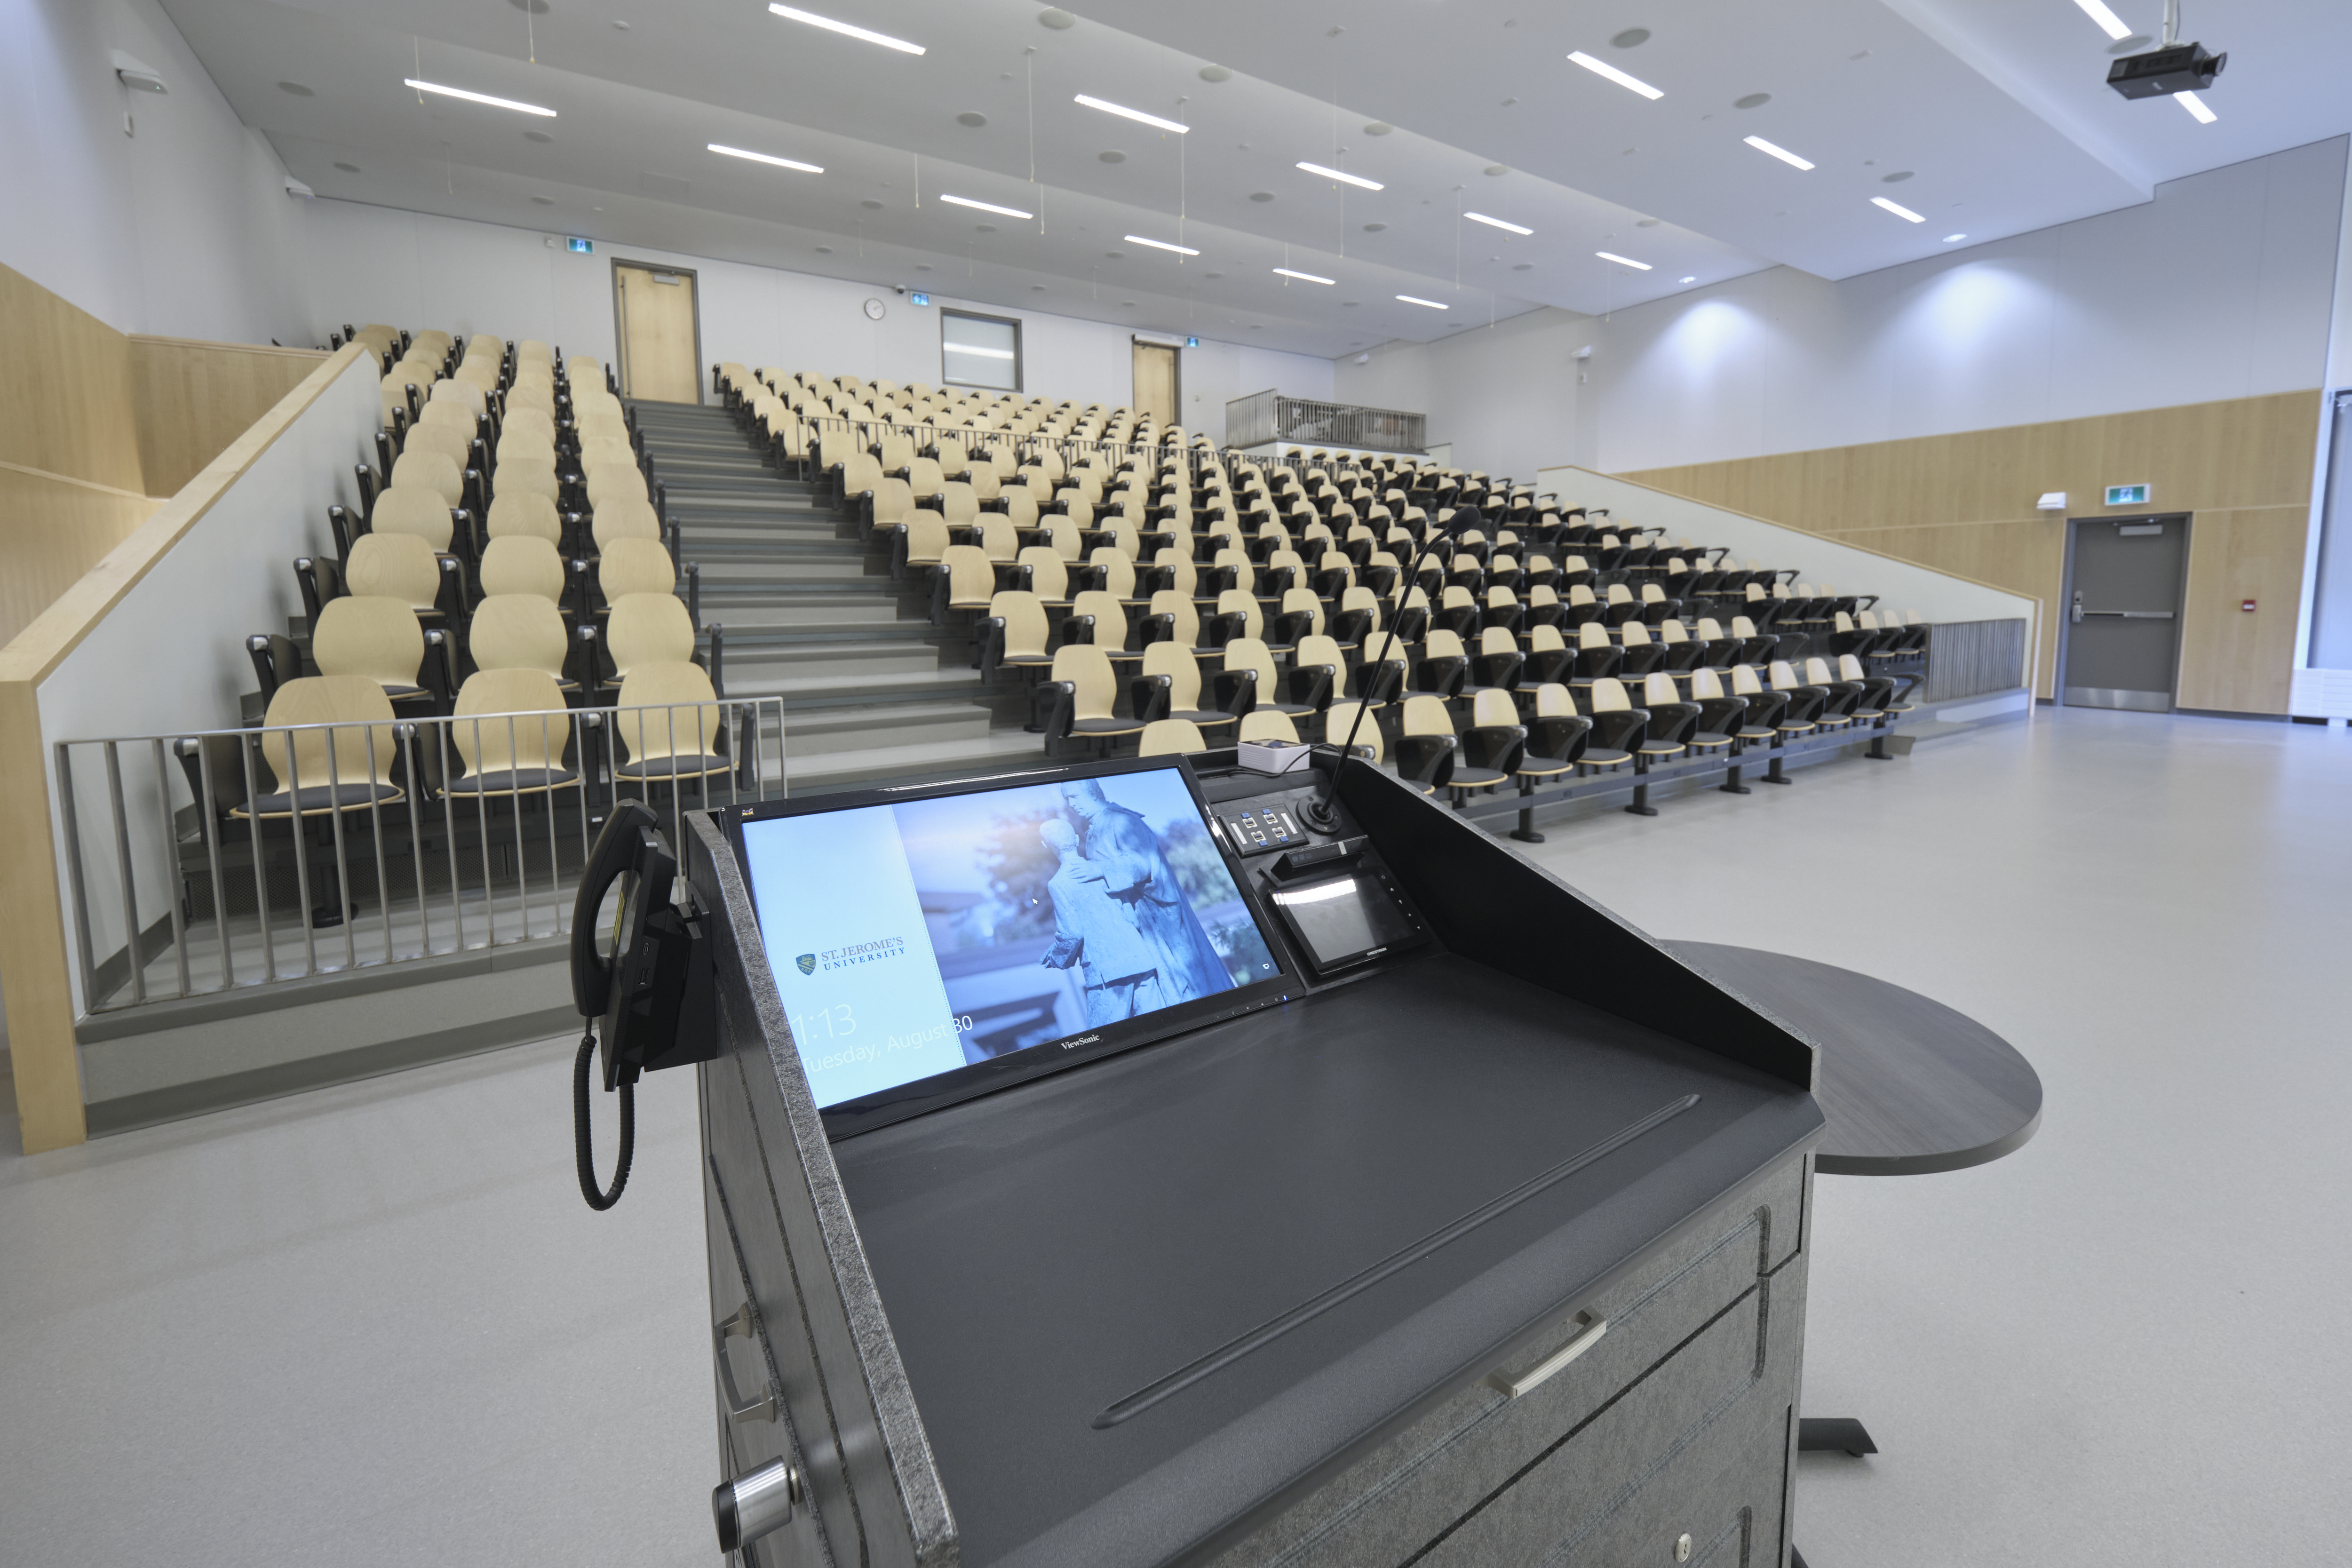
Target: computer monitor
[(943, 943)]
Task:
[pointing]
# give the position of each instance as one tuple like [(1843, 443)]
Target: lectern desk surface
[(1138, 1302)]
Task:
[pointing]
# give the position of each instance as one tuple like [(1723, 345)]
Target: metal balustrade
[(1265, 417), (182, 887)]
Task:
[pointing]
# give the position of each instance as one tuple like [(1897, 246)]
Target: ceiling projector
[(2160, 73)]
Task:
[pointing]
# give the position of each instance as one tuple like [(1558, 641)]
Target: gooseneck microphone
[(1457, 519)]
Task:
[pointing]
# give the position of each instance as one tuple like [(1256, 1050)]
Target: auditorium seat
[(395, 565), (521, 631), (1014, 634), (671, 727), (376, 636), (1078, 701), (646, 628), (512, 734), (1169, 688), (1171, 737)]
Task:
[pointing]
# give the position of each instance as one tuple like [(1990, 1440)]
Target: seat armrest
[(1424, 758), (1077, 628), (1499, 746), (1559, 737), (1310, 685), (1147, 697), (1236, 690), (992, 645), (1052, 704)]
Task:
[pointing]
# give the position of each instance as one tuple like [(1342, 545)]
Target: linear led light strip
[(830, 26), (765, 157), (985, 207), (1302, 277), (1162, 245), (977, 352), (1780, 152), (1135, 114), (1603, 67), (1432, 304), (2196, 106), (477, 96), (1342, 176), (1623, 260), (1897, 208), (1496, 222)]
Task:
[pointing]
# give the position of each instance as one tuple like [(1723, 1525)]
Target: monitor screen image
[(916, 938)]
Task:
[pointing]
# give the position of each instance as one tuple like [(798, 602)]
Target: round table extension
[(1910, 1086)]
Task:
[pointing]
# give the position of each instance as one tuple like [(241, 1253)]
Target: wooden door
[(1156, 383), (660, 338)]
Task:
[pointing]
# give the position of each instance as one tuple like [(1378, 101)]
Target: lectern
[(1164, 1163)]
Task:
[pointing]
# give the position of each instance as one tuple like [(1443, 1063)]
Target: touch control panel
[(1261, 828)]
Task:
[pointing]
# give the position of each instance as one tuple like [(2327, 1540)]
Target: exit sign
[(578, 246), (2126, 495)]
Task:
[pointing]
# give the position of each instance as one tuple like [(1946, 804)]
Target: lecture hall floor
[(375, 1323)]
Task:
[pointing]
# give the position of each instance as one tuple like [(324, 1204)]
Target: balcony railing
[(210, 862), (1265, 417)]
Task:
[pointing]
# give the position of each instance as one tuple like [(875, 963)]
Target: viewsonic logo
[(806, 962)]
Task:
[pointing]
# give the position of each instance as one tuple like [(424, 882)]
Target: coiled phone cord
[(583, 1157)]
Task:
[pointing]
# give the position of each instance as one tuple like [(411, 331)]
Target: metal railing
[(205, 862), (1265, 417)]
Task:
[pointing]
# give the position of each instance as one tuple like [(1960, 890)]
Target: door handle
[(2129, 614), (1512, 1385), (740, 1409)]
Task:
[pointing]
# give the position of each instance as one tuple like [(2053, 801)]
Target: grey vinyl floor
[(375, 1323)]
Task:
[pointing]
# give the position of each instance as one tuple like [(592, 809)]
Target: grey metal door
[(2121, 635)]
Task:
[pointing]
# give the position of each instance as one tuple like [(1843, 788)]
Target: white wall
[(1505, 397), (2219, 287), (181, 627), (184, 229), (413, 269)]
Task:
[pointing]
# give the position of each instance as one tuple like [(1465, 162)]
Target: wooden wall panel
[(1965, 503), (52, 530), (2234, 660), (193, 398), (64, 389)]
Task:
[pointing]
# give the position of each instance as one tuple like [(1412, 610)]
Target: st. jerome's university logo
[(807, 962)]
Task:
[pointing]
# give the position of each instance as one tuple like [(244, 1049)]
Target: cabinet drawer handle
[(1588, 1332), (738, 1409)]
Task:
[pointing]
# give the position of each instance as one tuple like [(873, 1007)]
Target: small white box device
[(1275, 756)]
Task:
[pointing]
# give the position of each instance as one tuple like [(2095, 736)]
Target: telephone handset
[(653, 998)]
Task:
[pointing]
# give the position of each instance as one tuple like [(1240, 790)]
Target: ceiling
[(1986, 117)]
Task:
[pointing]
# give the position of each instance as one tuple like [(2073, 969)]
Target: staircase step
[(820, 773)]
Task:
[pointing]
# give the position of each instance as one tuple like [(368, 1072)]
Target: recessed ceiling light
[(1342, 176), (1217, 73), (1379, 128), (1114, 255), (824, 250), (1261, 196), (2126, 46), (1630, 38), (765, 157), (1895, 178), (973, 118), (1645, 223), (1780, 152), (1036, 288), (1898, 209), (1495, 171), (1954, 238), (845, 30), (1302, 277), (2196, 106), (1753, 101), (537, 136), (296, 88), (983, 206), (620, 26), (1127, 304), (1603, 67), (1057, 18), (542, 201), (1623, 260), (1430, 304), (1690, 280), (1522, 266), (983, 228), (1162, 245), (1374, 227), (2109, 23), (1135, 114), (1496, 222), (1111, 155), (349, 168), (477, 97)]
